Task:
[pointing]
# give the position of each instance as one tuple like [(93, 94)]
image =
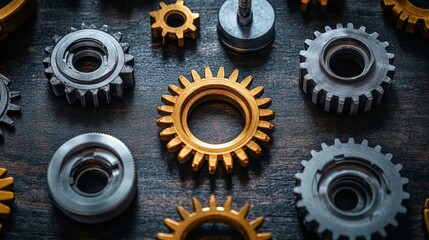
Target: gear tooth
[(198, 161), (316, 94), (313, 153), (255, 224), (321, 228), (82, 97), (169, 133), (174, 145), (117, 87), (234, 75), (405, 196), (127, 76), (368, 101), (47, 62), (328, 101), (56, 39), (174, 90), (171, 224), (14, 94), (165, 121), (339, 25), (385, 44), (213, 161), (307, 83), (94, 93), (300, 204), (309, 218), (307, 43), (107, 93), (125, 46), (228, 204), (391, 71), (337, 142), (117, 36), (8, 121), (49, 72), (297, 190), (362, 29), (316, 34), (83, 26), (303, 55), (92, 26), (212, 203), (405, 181), (13, 108), (398, 167), (351, 141), (242, 157), (383, 233), (340, 106), (298, 176), (195, 76), (197, 205), (257, 91), (182, 212), (244, 211), (208, 72), (221, 72), (328, 28), (164, 236), (354, 108), (227, 162), (364, 142), (350, 26), (183, 81), (324, 146), (49, 49), (105, 28), (380, 94), (162, 5), (70, 94), (377, 148), (72, 29), (254, 149), (391, 57), (389, 156), (180, 39), (57, 86), (374, 35)]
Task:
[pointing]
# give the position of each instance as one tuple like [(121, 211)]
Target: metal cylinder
[(244, 8)]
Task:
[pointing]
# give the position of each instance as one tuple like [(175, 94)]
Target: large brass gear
[(162, 29), (15, 13), (214, 214), (408, 16), (185, 98), (6, 183)]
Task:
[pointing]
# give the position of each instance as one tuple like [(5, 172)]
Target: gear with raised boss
[(190, 94), (6, 183), (214, 214), (107, 67), (350, 191), (174, 21), (6, 105), (346, 69), (408, 16)]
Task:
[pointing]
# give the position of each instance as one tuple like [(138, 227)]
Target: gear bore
[(350, 191), (107, 70), (174, 21), (6, 106), (408, 16), (200, 90), (356, 86), (214, 214)]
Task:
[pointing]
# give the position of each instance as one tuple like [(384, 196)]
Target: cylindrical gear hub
[(350, 191), (346, 69), (109, 66)]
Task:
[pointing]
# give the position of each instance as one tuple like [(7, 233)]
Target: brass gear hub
[(162, 29), (214, 214), (185, 98), (408, 16), (6, 183)]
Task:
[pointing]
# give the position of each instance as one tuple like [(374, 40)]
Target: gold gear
[(408, 16), (323, 4), (161, 28), (426, 216), (14, 14), (5, 195), (214, 214), (185, 98)]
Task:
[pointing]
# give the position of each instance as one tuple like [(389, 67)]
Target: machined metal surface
[(6, 196), (92, 178), (6, 105), (426, 217), (246, 26), (214, 214), (358, 85), (112, 69), (350, 191), (408, 16), (15, 13), (190, 94), (174, 21)]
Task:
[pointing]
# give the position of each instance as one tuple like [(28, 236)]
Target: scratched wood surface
[(399, 124)]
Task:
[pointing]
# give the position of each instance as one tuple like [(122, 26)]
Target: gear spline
[(350, 191), (190, 94), (6, 105), (174, 21), (214, 214), (6, 183), (408, 16), (107, 67), (346, 69)]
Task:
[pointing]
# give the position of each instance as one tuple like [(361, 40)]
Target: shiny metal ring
[(92, 178), (14, 14)]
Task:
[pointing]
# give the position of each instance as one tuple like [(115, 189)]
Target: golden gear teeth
[(5, 195), (408, 16), (188, 26), (214, 214), (191, 93)]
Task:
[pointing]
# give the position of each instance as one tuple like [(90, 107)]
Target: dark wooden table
[(399, 124)]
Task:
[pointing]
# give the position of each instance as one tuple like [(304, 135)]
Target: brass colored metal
[(14, 14), (5, 194), (323, 4), (426, 216), (184, 99), (161, 28), (214, 214), (408, 17)]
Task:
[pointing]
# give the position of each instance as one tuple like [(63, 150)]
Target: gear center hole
[(346, 199), (91, 178), (87, 60), (216, 122), (347, 62), (175, 19), (214, 231)]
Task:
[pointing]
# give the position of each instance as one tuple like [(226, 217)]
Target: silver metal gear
[(114, 73), (6, 105), (92, 178), (350, 191), (335, 86)]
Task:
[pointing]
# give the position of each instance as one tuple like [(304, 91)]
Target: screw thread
[(244, 8)]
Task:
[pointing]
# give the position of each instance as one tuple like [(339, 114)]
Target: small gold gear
[(14, 14), (214, 214), (408, 16), (426, 216), (161, 28), (5, 195), (323, 4), (185, 98)]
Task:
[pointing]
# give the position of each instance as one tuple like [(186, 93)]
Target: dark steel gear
[(350, 191), (6, 105), (360, 84), (112, 69)]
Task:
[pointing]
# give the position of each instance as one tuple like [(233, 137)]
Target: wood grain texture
[(399, 124)]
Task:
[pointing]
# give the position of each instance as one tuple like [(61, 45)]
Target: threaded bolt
[(244, 12)]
